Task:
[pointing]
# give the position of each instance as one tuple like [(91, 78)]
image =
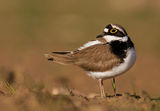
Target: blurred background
[(31, 28)]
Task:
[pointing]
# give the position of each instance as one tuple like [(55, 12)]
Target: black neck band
[(119, 48)]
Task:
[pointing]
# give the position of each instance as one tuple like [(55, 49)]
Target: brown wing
[(96, 58)]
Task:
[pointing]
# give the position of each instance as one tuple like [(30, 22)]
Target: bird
[(110, 54)]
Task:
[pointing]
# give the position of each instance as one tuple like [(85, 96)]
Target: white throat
[(110, 38)]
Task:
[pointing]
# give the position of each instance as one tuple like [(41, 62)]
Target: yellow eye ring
[(113, 30)]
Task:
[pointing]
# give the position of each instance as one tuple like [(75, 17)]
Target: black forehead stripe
[(119, 33), (109, 26)]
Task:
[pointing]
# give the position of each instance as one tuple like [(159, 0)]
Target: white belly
[(125, 66)]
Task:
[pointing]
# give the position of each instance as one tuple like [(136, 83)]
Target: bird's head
[(114, 32)]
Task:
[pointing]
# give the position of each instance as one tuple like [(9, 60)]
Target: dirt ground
[(60, 99)]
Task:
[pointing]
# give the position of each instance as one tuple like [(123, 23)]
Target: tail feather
[(60, 57), (61, 52)]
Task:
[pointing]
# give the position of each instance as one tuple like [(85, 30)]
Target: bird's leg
[(114, 86), (101, 88)]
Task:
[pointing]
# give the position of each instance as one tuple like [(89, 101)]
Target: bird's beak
[(101, 35)]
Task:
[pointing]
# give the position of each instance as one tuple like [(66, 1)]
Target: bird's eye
[(113, 30)]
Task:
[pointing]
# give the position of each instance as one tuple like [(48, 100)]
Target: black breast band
[(119, 48)]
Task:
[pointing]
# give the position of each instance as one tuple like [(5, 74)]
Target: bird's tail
[(60, 57)]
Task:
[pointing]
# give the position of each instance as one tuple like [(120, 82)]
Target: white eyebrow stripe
[(117, 28), (105, 30)]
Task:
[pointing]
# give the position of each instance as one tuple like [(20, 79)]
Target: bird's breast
[(128, 62)]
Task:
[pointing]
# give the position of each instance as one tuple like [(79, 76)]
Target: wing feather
[(96, 58)]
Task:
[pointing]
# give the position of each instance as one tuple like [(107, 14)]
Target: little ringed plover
[(111, 54)]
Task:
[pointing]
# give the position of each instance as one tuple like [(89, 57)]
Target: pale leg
[(101, 88)]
